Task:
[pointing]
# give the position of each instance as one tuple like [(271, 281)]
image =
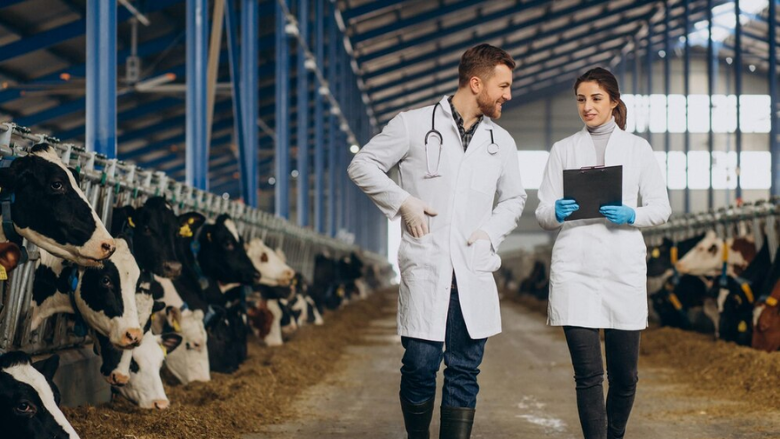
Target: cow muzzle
[(131, 339), (171, 269)]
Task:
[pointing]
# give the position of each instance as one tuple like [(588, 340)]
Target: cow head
[(706, 257), (154, 227), (145, 386), (106, 298), (222, 255), (29, 399), (191, 361), (50, 210), (273, 270)]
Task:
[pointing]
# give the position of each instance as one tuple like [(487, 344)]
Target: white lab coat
[(598, 274), (464, 198)]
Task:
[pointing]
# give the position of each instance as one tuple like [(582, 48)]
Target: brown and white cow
[(706, 258), (51, 211)]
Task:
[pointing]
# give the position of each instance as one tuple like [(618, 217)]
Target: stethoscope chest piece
[(492, 148)]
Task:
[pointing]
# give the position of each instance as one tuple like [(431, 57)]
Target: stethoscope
[(492, 147)]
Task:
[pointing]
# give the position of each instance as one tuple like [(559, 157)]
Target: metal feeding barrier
[(758, 219), (109, 183)]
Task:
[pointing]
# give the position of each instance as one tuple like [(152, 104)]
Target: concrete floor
[(527, 391)]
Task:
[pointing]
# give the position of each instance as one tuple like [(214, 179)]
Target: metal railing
[(109, 183)]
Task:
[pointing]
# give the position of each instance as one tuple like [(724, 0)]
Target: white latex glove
[(413, 211), (477, 235)]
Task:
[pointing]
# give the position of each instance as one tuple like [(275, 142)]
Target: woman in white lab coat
[(598, 272)]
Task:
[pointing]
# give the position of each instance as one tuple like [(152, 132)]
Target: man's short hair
[(481, 61)]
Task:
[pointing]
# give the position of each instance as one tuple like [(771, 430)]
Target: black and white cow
[(29, 399), (190, 362), (103, 297), (214, 263), (153, 228), (50, 210)]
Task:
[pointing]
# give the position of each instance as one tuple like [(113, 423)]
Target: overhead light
[(294, 173), (323, 91), (310, 64), (225, 196), (151, 83), (662, 53), (344, 127), (354, 149), (271, 181), (291, 29), (752, 68), (335, 110)]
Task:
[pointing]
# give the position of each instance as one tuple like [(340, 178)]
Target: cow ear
[(174, 317), (9, 256), (121, 218), (48, 367), (170, 341), (76, 175), (158, 306), (190, 222), (7, 178)]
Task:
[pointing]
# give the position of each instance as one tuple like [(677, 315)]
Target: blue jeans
[(462, 357)]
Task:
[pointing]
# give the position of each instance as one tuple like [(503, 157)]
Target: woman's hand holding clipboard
[(592, 188)]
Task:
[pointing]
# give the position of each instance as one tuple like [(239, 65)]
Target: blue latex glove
[(564, 208), (619, 214)]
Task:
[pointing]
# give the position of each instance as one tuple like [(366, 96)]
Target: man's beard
[(487, 106)]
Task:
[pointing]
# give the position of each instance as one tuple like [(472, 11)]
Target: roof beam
[(371, 8)]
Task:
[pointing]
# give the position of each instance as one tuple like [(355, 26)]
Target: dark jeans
[(622, 350), (462, 357)]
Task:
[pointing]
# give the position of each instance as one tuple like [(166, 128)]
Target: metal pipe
[(101, 77), (333, 168), (249, 100), (710, 92), (667, 88), (649, 76), (197, 156), (319, 129), (774, 147), (302, 205), (282, 191), (738, 92), (686, 92)]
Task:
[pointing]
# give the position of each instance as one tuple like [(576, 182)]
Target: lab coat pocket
[(414, 257), (483, 258)]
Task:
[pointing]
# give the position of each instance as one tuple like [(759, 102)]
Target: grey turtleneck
[(600, 136)]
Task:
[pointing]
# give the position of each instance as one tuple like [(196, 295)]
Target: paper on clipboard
[(591, 188)]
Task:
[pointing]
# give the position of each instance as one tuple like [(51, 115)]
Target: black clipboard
[(593, 187)]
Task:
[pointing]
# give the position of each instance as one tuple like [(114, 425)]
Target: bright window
[(756, 169), (724, 170), (698, 170)]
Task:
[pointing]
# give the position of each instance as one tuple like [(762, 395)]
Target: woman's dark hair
[(606, 80)]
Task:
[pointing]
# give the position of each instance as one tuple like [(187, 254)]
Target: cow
[(103, 297), (191, 362), (537, 282), (272, 268), (145, 387), (706, 258), (766, 314), (214, 263), (152, 228), (48, 208), (29, 399)]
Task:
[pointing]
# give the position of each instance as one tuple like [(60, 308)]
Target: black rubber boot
[(456, 422), (417, 418)]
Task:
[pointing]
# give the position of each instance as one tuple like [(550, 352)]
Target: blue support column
[(249, 102), (774, 147), (101, 77), (333, 126), (710, 92), (686, 92), (197, 157), (302, 205), (282, 193), (236, 77), (319, 130), (738, 92)]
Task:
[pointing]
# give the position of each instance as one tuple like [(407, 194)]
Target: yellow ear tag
[(165, 351), (656, 253), (176, 326), (130, 221), (3, 273), (771, 301), (191, 221), (185, 231), (742, 326)]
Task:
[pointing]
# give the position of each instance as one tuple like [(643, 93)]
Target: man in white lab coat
[(459, 196)]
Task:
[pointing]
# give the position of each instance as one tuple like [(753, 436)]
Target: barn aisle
[(526, 392)]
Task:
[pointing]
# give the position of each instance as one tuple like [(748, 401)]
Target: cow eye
[(713, 249), (57, 186), (106, 281), (25, 408)]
